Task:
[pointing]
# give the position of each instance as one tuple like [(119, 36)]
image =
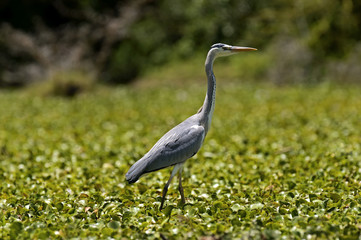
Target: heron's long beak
[(242, 49)]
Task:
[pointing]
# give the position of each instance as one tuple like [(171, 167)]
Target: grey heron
[(184, 140)]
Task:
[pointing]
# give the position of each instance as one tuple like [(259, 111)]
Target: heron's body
[(184, 140), (176, 146)]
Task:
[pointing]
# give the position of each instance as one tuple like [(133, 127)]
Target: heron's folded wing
[(176, 146)]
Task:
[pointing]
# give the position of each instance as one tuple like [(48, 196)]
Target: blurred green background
[(118, 42)]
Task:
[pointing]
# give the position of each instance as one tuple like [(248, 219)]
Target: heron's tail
[(136, 171)]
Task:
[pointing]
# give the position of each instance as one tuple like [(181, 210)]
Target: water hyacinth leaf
[(282, 211), (257, 206), (236, 207), (242, 213), (62, 172), (59, 206), (142, 188), (114, 224), (312, 197), (294, 212), (16, 226), (291, 185), (331, 209), (168, 211), (335, 197)]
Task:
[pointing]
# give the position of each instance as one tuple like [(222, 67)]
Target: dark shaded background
[(308, 41)]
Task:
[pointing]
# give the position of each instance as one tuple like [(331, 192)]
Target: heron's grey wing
[(177, 145), (180, 145)]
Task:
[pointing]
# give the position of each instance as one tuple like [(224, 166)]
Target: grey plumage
[(185, 139), (176, 146)]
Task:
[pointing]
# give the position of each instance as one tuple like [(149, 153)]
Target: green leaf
[(236, 207), (335, 197), (281, 177), (291, 185), (114, 225), (16, 226), (168, 210), (59, 206), (257, 206), (294, 212)]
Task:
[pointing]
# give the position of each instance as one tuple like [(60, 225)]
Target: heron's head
[(221, 49)]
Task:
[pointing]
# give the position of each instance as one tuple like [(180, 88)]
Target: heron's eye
[(226, 48)]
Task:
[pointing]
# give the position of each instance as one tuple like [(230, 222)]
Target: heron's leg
[(180, 187), (165, 189)]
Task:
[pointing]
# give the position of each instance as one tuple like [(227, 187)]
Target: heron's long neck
[(209, 102)]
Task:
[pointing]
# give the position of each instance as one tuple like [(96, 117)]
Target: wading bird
[(184, 140)]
